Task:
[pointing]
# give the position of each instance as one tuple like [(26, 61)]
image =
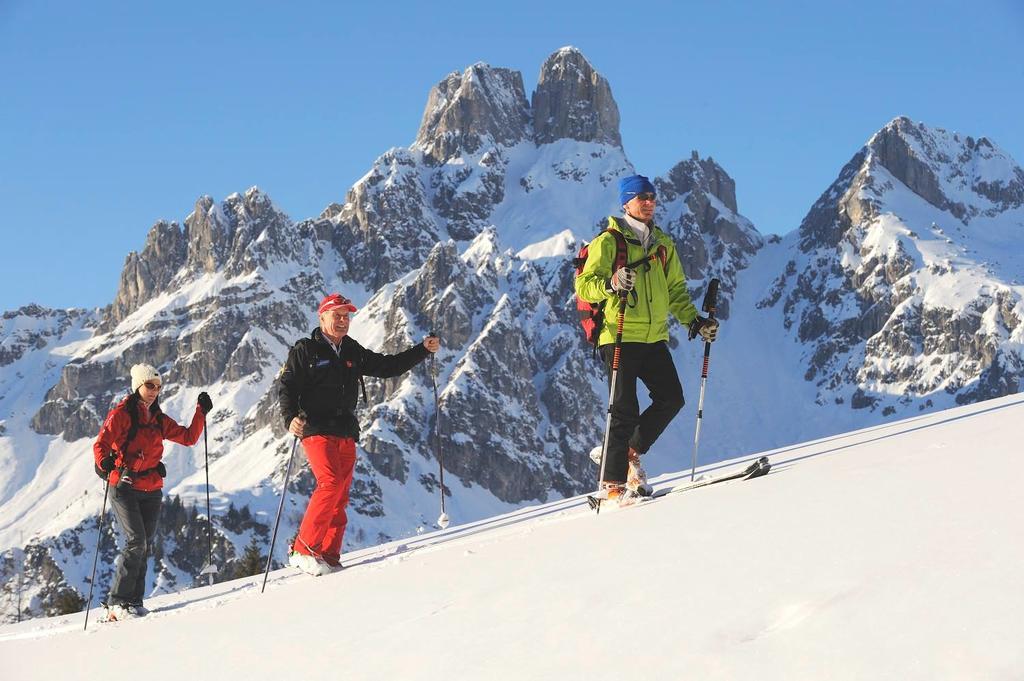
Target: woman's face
[(149, 391)]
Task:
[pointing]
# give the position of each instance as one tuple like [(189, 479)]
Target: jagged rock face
[(493, 431), (874, 290), (573, 101), (208, 236), (33, 339), (260, 234), (207, 343), (713, 240), (386, 227), (148, 273), (238, 237), (465, 112), (837, 209), (941, 168), (466, 196), (34, 327), (234, 335)]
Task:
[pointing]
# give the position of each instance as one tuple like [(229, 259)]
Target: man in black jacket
[(319, 387)]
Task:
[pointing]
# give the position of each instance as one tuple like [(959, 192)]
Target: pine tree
[(251, 562)]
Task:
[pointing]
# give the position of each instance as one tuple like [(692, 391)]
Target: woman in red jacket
[(128, 455)]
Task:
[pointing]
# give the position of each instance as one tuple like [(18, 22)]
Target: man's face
[(642, 206), (335, 323)]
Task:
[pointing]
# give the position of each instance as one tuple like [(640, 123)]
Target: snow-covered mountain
[(469, 232), (904, 281), (876, 554)]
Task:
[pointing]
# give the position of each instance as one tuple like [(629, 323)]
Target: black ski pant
[(652, 364), (138, 513)]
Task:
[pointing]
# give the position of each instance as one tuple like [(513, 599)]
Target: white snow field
[(893, 552)]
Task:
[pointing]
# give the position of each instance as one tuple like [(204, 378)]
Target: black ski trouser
[(651, 363), (138, 513)]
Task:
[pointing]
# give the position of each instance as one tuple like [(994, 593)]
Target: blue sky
[(118, 114)]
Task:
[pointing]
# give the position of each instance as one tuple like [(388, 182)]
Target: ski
[(594, 500), (754, 470)]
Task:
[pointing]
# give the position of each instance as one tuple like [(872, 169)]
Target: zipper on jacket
[(650, 298)]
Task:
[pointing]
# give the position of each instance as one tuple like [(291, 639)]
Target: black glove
[(161, 469), (104, 467), (707, 328), (205, 403)]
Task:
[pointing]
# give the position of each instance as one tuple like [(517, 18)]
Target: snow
[(19, 398), (554, 199), (560, 246), (884, 553)]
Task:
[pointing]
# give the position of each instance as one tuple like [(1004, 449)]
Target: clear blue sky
[(117, 114)]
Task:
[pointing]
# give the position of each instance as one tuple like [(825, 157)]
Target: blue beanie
[(630, 186)]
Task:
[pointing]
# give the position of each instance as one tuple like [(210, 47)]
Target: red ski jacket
[(146, 449)]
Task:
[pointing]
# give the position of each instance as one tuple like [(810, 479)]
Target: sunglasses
[(647, 196), (152, 386)]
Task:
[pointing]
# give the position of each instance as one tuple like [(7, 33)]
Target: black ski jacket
[(325, 385)]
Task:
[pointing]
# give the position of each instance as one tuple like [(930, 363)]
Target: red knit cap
[(335, 301)]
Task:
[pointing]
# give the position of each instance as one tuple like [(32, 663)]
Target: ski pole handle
[(710, 303)]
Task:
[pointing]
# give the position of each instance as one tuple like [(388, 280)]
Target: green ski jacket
[(660, 289)]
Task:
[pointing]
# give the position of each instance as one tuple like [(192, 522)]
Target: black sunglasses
[(647, 196)]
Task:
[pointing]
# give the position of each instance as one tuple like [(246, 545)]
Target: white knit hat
[(142, 373)]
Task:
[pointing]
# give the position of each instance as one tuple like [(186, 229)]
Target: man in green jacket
[(653, 290)]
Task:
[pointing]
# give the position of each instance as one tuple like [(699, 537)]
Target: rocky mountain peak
[(464, 110), (697, 206), (149, 271), (955, 173), (966, 177), (705, 175), (207, 235), (893, 294), (573, 101), (233, 237), (258, 231)]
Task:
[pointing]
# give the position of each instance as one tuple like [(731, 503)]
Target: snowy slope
[(891, 552)]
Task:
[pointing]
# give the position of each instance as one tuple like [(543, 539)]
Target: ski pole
[(20, 572), (96, 554), (709, 305), (280, 508), (210, 569), (442, 520), (611, 390)]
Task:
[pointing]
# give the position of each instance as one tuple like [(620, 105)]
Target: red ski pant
[(333, 460)]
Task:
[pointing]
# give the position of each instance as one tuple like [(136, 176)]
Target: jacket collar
[(318, 336)]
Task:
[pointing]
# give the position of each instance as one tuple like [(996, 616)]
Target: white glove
[(623, 280)]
